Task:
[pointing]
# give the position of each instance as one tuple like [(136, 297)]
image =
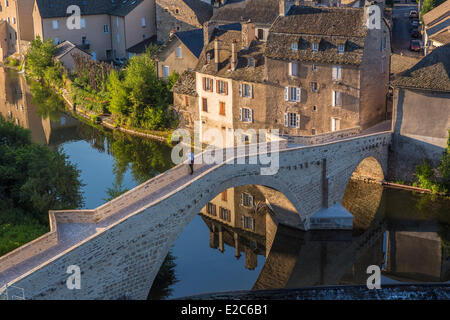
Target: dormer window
[(251, 62), (208, 58), (294, 47), (341, 48), (315, 46)]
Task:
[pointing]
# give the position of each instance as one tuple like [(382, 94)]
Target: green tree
[(444, 167), (40, 57), (118, 95)]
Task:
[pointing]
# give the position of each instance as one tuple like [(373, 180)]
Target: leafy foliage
[(40, 57), (444, 167)]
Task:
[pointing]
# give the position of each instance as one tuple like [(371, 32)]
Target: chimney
[(172, 32), (208, 31), (216, 54), (233, 55), (285, 5), (248, 33)]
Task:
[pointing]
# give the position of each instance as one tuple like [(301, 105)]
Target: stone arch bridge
[(120, 246)]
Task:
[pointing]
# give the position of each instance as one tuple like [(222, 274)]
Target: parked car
[(415, 33), (414, 45), (415, 23), (413, 14)]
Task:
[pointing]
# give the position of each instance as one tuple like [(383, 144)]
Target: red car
[(414, 45)]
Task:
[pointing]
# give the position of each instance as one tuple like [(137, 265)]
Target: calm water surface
[(235, 242)]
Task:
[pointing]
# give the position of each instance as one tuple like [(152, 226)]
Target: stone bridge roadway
[(121, 245)]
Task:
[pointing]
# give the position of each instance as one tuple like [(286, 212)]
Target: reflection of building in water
[(295, 258), (416, 256), (16, 106)]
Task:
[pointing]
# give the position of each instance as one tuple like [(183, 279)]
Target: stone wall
[(421, 121)]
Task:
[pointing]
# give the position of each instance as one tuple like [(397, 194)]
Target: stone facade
[(180, 15)]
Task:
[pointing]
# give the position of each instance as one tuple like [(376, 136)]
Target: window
[(222, 87), (166, 71), (94, 55), (83, 23), (204, 105), (292, 120), (251, 62), (106, 28), (225, 214), (337, 98), (186, 101), (224, 195), (260, 34), (248, 222), (178, 52), (292, 94), (55, 24), (246, 90), (14, 20), (293, 69), (340, 48), (56, 40), (336, 73), (143, 23), (315, 46), (246, 115), (335, 124), (314, 87), (211, 209), (246, 200), (294, 47), (314, 108), (222, 108), (314, 67), (207, 84), (313, 131)]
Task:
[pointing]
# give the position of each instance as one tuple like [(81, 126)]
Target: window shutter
[(286, 93), (229, 215), (226, 87), (251, 115), (251, 200), (333, 95), (242, 199), (240, 89), (204, 83), (217, 86), (338, 98), (335, 73), (286, 120), (211, 82), (299, 91), (297, 121), (242, 221), (290, 68), (240, 114)]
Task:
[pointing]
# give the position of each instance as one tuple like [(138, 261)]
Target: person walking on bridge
[(191, 162)]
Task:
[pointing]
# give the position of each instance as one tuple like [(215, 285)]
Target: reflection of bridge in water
[(406, 250)]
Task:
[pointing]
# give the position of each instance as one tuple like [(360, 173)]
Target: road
[(401, 30)]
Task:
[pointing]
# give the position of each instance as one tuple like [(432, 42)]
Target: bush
[(13, 62)]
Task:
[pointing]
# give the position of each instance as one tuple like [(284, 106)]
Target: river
[(234, 243)]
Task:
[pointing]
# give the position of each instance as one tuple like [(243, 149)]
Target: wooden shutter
[(211, 82), (229, 215), (335, 73), (251, 115), (240, 89), (333, 95), (240, 114), (222, 108), (226, 88), (286, 93), (204, 104), (204, 83), (242, 199), (297, 121), (286, 119), (217, 86), (299, 91)]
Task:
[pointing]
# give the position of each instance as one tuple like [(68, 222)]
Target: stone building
[(320, 70), (328, 70), (436, 21), (65, 52), (180, 15), (185, 100), (19, 26), (108, 29), (180, 53), (421, 114)]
